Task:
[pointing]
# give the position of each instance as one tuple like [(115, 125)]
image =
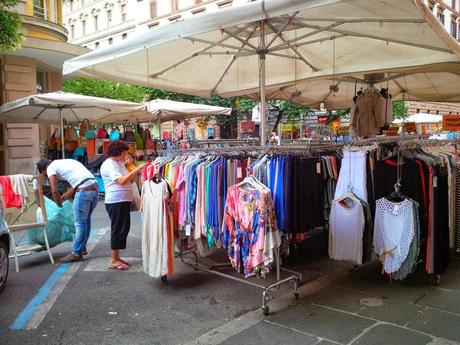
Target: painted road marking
[(38, 307)]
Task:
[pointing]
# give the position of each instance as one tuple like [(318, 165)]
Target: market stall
[(275, 45)]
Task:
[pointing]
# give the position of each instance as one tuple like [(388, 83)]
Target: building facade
[(448, 13), (98, 23), (36, 67)]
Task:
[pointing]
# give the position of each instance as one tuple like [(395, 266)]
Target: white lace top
[(393, 232)]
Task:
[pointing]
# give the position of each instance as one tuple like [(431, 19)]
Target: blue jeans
[(84, 204)]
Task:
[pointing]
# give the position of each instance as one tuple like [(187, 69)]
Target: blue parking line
[(23, 318)]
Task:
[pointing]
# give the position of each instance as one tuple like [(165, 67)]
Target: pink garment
[(10, 199), (241, 234), (148, 171), (180, 193)]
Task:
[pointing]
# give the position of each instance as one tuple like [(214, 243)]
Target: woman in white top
[(118, 184)]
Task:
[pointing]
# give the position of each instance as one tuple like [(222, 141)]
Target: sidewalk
[(363, 307)]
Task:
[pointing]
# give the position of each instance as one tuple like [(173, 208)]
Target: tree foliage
[(10, 22), (400, 109)]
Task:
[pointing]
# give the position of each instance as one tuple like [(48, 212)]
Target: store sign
[(322, 119), (451, 123), (392, 131), (410, 127), (247, 126)]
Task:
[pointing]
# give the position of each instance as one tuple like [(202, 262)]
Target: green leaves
[(400, 109), (10, 22)]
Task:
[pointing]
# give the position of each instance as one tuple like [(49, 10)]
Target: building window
[(123, 13), (71, 5), (96, 45), (39, 9), (153, 9), (453, 4), (453, 28), (431, 6), (110, 40), (72, 31), (441, 16), (109, 17), (42, 81), (96, 26), (83, 27), (124, 36)]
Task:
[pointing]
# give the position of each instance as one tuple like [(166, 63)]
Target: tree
[(10, 22), (400, 109)]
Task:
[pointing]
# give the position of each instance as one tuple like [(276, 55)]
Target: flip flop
[(121, 266), (125, 262)]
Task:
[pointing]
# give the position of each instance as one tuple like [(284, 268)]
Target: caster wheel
[(164, 279), (266, 310), (437, 280), (296, 296)]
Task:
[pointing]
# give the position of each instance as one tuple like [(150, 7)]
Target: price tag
[(239, 172), (396, 209), (435, 182), (318, 168), (188, 230)]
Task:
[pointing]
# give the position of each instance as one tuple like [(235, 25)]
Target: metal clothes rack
[(294, 280)]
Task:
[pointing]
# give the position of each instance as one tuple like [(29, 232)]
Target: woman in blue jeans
[(84, 188)]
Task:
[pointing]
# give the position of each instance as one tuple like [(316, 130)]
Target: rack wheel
[(266, 310), (296, 296), (164, 278), (437, 280)]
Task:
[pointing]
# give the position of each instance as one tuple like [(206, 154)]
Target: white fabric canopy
[(219, 51), (421, 118), (72, 107), (436, 83), (166, 110)]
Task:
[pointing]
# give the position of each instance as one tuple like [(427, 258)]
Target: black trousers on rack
[(306, 209)]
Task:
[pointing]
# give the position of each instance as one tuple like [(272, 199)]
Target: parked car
[(4, 259)]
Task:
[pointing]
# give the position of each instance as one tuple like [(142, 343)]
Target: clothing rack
[(294, 279)]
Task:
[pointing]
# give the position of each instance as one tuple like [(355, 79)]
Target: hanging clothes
[(157, 230), (249, 231)]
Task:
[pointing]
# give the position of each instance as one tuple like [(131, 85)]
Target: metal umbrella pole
[(62, 131), (262, 56)]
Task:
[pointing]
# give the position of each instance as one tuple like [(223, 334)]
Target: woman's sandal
[(121, 266), (125, 262)]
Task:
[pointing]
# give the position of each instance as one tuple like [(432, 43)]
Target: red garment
[(9, 197)]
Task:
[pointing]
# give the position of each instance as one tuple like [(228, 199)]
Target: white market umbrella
[(65, 106), (163, 110), (421, 118), (270, 43)]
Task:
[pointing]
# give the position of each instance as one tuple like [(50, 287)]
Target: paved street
[(86, 303)]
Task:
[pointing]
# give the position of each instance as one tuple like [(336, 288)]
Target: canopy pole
[(262, 56), (62, 133)]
